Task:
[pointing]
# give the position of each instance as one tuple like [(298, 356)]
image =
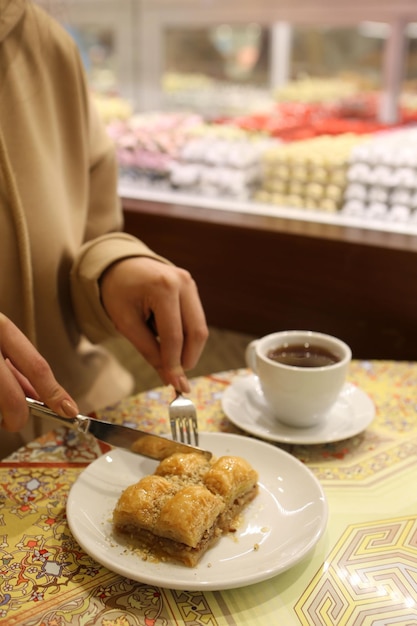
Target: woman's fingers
[(24, 371)]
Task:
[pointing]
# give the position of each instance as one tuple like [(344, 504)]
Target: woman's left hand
[(138, 289)]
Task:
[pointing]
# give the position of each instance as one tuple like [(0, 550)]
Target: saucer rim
[(299, 436)]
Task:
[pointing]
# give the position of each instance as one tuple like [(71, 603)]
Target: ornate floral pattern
[(363, 571)]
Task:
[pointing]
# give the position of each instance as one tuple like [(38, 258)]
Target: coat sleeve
[(104, 242)]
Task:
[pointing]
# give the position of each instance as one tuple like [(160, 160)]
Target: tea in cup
[(301, 373)]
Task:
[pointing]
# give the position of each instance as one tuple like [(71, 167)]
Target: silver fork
[(183, 419)]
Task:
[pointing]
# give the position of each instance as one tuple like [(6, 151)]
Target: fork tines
[(183, 420)]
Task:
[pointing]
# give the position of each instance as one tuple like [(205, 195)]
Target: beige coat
[(59, 210)]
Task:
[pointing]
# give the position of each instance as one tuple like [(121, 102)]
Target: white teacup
[(300, 394)]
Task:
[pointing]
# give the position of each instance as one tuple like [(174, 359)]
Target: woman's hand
[(24, 372), (138, 289)]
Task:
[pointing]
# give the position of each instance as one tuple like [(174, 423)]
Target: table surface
[(363, 570)]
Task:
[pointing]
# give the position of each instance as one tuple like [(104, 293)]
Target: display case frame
[(157, 15), (120, 17)]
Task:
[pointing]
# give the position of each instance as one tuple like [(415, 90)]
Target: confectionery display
[(313, 89), (319, 148), (147, 143), (219, 161), (298, 119), (308, 174), (382, 178), (181, 510)]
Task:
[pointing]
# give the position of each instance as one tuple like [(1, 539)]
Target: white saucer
[(244, 404)]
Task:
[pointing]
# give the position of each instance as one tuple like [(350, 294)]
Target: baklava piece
[(185, 468), (182, 509)]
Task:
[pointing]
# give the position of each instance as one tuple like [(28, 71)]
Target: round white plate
[(244, 404), (278, 528)]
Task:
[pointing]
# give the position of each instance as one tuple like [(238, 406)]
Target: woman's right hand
[(24, 372)]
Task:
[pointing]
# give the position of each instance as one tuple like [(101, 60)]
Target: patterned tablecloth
[(363, 571)]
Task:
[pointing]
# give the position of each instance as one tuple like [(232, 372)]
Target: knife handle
[(39, 409)]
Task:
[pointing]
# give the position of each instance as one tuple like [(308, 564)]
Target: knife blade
[(132, 439)]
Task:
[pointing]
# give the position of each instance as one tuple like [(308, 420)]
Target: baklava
[(182, 509)]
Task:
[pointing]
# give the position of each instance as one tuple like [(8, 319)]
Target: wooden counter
[(259, 274)]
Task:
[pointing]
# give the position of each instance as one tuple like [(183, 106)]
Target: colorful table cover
[(363, 571)]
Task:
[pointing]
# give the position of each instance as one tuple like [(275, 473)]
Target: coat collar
[(11, 12)]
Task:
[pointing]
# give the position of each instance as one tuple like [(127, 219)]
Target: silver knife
[(137, 441)]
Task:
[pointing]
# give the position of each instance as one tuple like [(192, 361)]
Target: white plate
[(285, 520), (245, 406)]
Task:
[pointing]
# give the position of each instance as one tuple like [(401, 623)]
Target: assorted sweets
[(181, 510), (148, 143), (219, 160), (320, 147), (308, 174), (299, 120), (317, 89), (382, 178)]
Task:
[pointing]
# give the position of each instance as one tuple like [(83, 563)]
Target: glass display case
[(104, 32), (176, 53), (348, 273), (205, 58)]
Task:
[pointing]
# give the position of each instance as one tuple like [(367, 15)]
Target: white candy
[(356, 191), (401, 197), (399, 213), (377, 210), (193, 150), (184, 175), (405, 176), (361, 152), (378, 194), (353, 208), (380, 175), (413, 201), (359, 173)]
